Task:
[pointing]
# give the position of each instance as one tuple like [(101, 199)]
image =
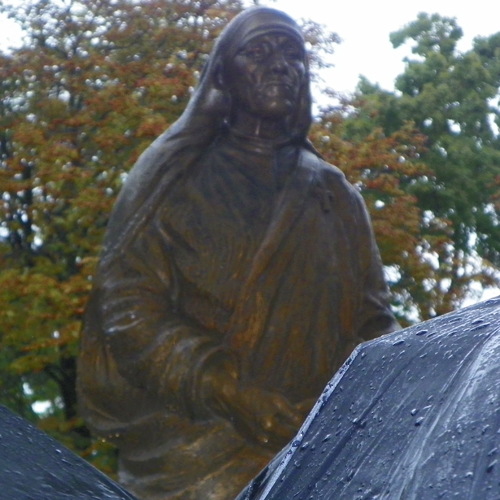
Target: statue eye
[(293, 52), (256, 51)]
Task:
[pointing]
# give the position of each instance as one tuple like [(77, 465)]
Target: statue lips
[(276, 87), (282, 82)]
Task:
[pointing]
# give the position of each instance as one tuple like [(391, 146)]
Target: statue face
[(266, 75)]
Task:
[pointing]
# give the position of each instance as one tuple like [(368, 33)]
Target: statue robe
[(259, 254)]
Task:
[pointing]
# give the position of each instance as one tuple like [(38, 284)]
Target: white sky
[(365, 25)]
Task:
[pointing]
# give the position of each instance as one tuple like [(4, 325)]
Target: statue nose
[(279, 64)]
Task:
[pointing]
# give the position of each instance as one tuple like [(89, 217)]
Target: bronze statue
[(239, 271)]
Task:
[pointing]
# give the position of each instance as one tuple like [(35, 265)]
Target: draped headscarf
[(172, 154)]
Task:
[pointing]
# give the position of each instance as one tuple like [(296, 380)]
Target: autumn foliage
[(92, 86)]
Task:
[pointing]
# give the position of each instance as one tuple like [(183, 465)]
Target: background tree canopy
[(452, 99), (96, 82)]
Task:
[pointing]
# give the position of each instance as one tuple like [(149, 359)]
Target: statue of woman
[(239, 271)]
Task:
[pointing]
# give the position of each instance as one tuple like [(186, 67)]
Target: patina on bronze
[(239, 271)]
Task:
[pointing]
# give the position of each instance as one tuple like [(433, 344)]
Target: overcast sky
[(364, 26)]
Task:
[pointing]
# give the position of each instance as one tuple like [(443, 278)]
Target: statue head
[(259, 66), (264, 70)]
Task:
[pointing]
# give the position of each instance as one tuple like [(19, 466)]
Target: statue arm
[(159, 350), (156, 348)]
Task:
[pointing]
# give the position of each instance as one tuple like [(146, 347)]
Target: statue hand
[(260, 416)]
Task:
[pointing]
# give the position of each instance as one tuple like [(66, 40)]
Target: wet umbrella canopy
[(33, 466), (414, 415)]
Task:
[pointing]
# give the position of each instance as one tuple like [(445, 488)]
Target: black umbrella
[(414, 415), (34, 466)]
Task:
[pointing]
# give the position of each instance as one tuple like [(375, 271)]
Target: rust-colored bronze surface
[(238, 272)]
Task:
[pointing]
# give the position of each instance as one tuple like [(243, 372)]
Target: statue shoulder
[(329, 174), (323, 168)]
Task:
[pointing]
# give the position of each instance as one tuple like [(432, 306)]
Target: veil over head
[(169, 157)]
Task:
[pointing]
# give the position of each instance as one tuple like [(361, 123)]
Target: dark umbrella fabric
[(414, 415), (34, 466)]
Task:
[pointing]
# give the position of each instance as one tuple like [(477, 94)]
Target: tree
[(93, 85), (451, 98)]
